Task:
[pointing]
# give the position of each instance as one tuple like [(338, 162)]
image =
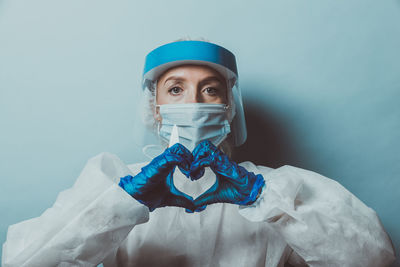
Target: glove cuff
[(258, 184)]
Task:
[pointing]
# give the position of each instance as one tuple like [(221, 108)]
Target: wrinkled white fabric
[(301, 218), (84, 224)]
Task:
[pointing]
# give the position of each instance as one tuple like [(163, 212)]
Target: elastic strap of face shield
[(231, 100)]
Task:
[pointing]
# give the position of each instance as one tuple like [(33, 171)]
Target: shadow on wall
[(268, 142)]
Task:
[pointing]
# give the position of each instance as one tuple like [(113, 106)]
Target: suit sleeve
[(86, 222), (320, 220)]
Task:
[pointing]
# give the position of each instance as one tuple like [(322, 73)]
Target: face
[(191, 84)]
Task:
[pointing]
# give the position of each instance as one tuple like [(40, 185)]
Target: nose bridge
[(194, 94)]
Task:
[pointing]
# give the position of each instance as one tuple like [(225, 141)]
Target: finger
[(204, 200), (208, 197), (189, 211), (180, 155), (197, 169), (167, 161), (158, 167), (223, 165), (163, 163), (203, 150), (207, 154), (183, 201), (204, 146), (185, 170), (200, 209), (178, 198), (181, 150), (202, 157)]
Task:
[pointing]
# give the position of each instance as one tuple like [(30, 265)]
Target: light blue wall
[(320, 79)]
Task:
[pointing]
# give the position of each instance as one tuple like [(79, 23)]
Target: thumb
[(178, 198), (208, 197), (205, 199), (183, 201)]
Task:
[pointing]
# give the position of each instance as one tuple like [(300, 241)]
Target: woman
[(287, 215)]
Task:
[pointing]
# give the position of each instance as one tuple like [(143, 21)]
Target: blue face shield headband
[(200, 53)]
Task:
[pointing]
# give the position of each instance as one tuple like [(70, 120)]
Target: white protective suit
[(300, 218)]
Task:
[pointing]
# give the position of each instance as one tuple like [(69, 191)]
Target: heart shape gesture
[(154, 186), (234, 183)]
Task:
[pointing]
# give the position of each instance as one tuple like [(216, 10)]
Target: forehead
[(188, 71)]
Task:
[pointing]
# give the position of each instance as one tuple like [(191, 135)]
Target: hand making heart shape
[(154, 186)]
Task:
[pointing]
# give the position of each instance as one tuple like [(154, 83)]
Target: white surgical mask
[(196, 122)]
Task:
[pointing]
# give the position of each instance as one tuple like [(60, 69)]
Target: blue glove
[(154, 187), (234, 183)]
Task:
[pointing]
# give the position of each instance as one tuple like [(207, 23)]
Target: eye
[(211, 91), (175, 90)]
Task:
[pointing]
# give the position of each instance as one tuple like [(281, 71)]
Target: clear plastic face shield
[(194, 53)]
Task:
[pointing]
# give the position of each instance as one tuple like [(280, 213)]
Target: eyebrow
[(211, 79), (175, 78), (205, 80)]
